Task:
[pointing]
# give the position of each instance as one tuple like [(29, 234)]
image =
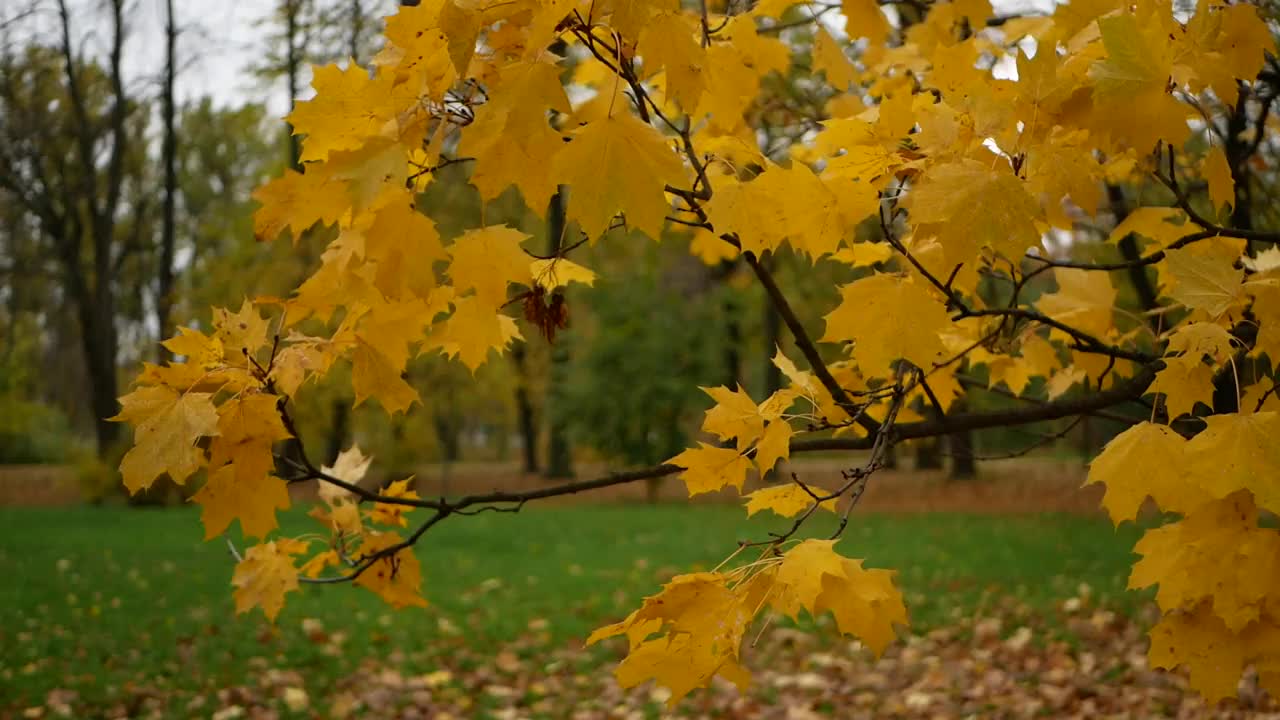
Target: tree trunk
[(169, 156), (524, 411), (928, 455), (772, 341), (559, 453), (292, 63), (338, 424)]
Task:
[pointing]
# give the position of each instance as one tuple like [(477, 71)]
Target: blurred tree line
[(125, 211)]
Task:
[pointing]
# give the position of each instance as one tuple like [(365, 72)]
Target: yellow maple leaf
[(242, 333), (558, 272), (709, 468), (667, 41), (227, 496), (774, 445), (735, 415), (1205, 277), (295, 201), (488, 259), (864, 18), (374, 375), (199, 349), (1184, 381), (265, 575), (1238, 452), (814, 577), (830, 59), (1145, 460), (1199, 640), (1130, 85), (974, 205), (786, 500), (703, 619), (1222, 186), (617, 165), (887, 318), (1084, 300), (167, 426), (397, 578), (472, 331), (1215, 554), (1200, 339), (392, 514), (349, 107), (405, 246), (1165, 225)]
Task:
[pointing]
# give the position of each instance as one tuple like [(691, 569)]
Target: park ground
[(115, 612)]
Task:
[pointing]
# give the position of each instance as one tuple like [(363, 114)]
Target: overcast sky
[(221, 40)]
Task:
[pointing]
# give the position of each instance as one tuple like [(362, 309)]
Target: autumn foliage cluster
[(943, 150)]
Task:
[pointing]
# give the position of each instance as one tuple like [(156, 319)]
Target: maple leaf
[(265, 575), (405, 245), (349, 107), (774, 445), (1145, 460), (374, 375), (865, 603), (1130, 85), (1165, 225), (830, 59), (396, 578), (557, 272), (618, 165), (295, 201), (667, 42), (1200, 339), (1084, 300), (1237, 452), (1222, 186), (735, 415), (704, 619), (709, 468), (973, 206), (241, 333), (1206, 279), (227, 496), (785, 500), (489, 259), (782, 204), (473, 330), (1200, 641), (167, 426), (1184, 381), (392, 514), (887, 318)]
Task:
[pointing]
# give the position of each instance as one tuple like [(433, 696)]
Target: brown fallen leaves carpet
[(1086, 663)]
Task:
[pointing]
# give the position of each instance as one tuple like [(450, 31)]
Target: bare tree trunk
[(960, 444), (524, 411), (772, 339), (96, 294), (169, 156), (357, 30), (292, 64), (559, 453)]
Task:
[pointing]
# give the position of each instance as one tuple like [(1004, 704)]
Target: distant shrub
[(32, 433)]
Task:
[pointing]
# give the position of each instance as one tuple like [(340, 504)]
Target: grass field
[(105, 601)]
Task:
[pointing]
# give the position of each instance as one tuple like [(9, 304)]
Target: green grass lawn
[(104, 600)]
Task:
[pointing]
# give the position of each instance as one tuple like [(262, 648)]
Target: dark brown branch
[(807, 348)]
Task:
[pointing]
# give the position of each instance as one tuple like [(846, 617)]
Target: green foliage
[(630, 388), (31, 432)]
